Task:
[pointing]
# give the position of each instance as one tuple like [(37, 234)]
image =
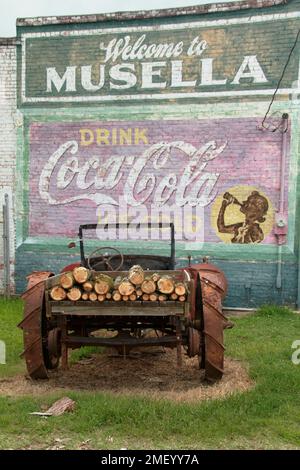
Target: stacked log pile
[(82, 284)]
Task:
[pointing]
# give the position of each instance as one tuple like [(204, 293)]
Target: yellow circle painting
[(243, 214)]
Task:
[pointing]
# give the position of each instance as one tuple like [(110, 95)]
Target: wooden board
[(108, 308)]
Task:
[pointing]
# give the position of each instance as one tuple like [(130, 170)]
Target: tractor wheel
[(206, 338), (213, 290), (53, 350), (194, 341), (34, 325)]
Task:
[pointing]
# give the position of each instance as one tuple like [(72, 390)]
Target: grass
[(267, 416), (10, 316)]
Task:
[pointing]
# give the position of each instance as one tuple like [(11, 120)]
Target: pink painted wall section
[(221, 174)]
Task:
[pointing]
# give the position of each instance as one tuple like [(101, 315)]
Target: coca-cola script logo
[(165, 173)]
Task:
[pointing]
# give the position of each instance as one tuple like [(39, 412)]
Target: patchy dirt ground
[(150, 373)]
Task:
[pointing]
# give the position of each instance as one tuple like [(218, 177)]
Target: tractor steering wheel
[(105, 256)]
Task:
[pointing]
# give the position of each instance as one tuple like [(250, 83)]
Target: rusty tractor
[(51, 327)]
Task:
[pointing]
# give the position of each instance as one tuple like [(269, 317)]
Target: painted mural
[(160, 119), (245, 215), (218, 180), (148, 62)]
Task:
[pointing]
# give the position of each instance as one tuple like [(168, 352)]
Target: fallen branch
[(61, 406)]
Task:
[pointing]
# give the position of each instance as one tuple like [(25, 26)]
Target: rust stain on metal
[(206, 315), (35, 277), (54, 342), (194, 340), (214, 288), (32, 325), (200, 328)]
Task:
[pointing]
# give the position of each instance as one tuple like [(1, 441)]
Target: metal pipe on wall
[(298, 295), (281, 223), (285, 118), (6, 246)]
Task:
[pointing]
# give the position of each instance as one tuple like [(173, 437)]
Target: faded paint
[(196, 59), (145, 14), (154, 165), (8, 143), (218, 93)]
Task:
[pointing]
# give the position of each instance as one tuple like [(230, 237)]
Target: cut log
[(88, 286), (125, 298), (148, 286), (180, 288), (145, 296), (74, 294), (165, 285), (85, 296), (155, 277), (81, 274), (58, 408), (153, 297), (136, 275), (104, 277), (101, 287), (116, 296), (61, 406), (101, 297), (126, 288), (162, 297), (103, 283), (58, 293), (132, 297), (139, 292), (93, 296), (67, 280), (182, 298), (173, 296), (108, 296), (117, 282)]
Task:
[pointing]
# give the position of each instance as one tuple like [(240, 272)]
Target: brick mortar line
[(147, 14)]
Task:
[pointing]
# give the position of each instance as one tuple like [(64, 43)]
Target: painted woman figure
[(254, 209)]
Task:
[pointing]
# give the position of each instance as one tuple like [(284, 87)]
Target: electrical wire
[(280, 80)]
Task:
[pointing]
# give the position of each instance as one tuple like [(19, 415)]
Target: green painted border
[(290, 6), (155, 112)]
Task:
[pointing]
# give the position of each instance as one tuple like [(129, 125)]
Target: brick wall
[(8, 142), (86, 84)]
